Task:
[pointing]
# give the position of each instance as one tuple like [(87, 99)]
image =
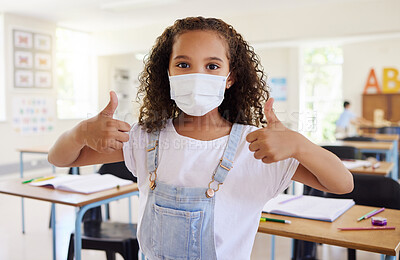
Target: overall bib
[(178, 222)]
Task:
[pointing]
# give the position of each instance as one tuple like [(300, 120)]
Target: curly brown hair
[(243, 101)]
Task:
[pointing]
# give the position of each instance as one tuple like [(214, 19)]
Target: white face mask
[(197, 94)]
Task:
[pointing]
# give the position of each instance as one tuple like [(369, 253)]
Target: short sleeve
[(285, 169), (128, 150)]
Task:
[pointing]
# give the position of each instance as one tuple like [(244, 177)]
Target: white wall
[(10, 140), (318, 21), (359, 58), (128, 108), (283, 63)]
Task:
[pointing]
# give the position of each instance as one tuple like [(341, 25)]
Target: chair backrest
[(389, 130), (343, 152), (373, 190), (360, 138), (118, 169)]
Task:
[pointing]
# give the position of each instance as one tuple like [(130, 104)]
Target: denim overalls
[(178, 222)]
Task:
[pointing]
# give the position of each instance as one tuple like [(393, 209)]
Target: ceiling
[(102, 15)]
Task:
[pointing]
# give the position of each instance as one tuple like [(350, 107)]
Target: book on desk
[(86, 184), (310, 207)]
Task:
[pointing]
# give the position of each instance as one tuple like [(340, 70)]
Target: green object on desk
[(276, 220), (31, 180), (363, 217)]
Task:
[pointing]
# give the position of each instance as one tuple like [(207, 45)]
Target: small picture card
[(42, 42), (23, 59), (22, 39), (24, 78), (43, 79), (42, 61)]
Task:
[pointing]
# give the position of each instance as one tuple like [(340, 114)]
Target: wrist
[(300, 145), (79, 134)]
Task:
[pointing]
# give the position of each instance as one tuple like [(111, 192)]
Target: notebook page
[(326, 209)]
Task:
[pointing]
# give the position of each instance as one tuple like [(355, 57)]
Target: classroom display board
[(32, 54), (278, 88), (33, 115)]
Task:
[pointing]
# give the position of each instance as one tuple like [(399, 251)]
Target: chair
[(111, 237), (373, 190), (389, 130), (343, 152), (359, 139)]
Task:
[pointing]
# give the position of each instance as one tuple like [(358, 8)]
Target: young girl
[(204, 169)]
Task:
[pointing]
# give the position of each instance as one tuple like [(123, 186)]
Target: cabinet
[(389, 103)]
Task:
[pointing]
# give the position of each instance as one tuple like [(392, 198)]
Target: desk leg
[(53, 224), (21, 175), (390, 257), (130, 212), (272, 247), (390, 158), (396, 160), (79, 217)]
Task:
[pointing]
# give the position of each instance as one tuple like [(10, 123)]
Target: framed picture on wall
[(33, 59)]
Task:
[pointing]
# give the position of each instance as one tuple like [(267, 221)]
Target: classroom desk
[(385, 242), (33, 150), (81, 201), (383, 170), (387, 148)]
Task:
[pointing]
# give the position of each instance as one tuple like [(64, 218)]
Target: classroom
[(322, 61)]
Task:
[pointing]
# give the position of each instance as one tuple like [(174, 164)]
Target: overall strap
[(152, 151), (226, 162)]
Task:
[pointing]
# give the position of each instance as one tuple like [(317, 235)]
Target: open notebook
[(88, 183), (351, 164), (311, 207)]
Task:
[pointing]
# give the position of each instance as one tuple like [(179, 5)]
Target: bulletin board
[(33, 115), (32, 55), (278, 88)]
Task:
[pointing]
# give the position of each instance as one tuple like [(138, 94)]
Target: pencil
[(363, 217), (275, 220), (366, 228)]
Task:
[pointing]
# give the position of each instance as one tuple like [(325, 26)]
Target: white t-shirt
[(188, 162)]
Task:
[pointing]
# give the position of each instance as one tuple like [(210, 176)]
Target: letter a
[(372, 82)]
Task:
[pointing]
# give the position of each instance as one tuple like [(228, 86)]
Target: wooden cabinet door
[(372, 102), (395, 108)]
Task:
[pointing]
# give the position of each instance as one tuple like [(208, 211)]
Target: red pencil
[(365, 228)]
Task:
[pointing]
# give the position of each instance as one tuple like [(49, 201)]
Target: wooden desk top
[(363, 145), (36, 149), (16, 188), (384, 169), (379, 241), (383, 137)]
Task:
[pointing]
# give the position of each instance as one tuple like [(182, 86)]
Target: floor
[(36, 243)]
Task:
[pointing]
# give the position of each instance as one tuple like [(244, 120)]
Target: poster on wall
[(278, 88), (32, 54), (32, 115)]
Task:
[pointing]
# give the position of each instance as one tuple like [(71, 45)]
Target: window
[(2, 72), (76, 91), (321, 91)]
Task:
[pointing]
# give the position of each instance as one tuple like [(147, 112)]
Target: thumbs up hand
[(104, 134), (274, 142)]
